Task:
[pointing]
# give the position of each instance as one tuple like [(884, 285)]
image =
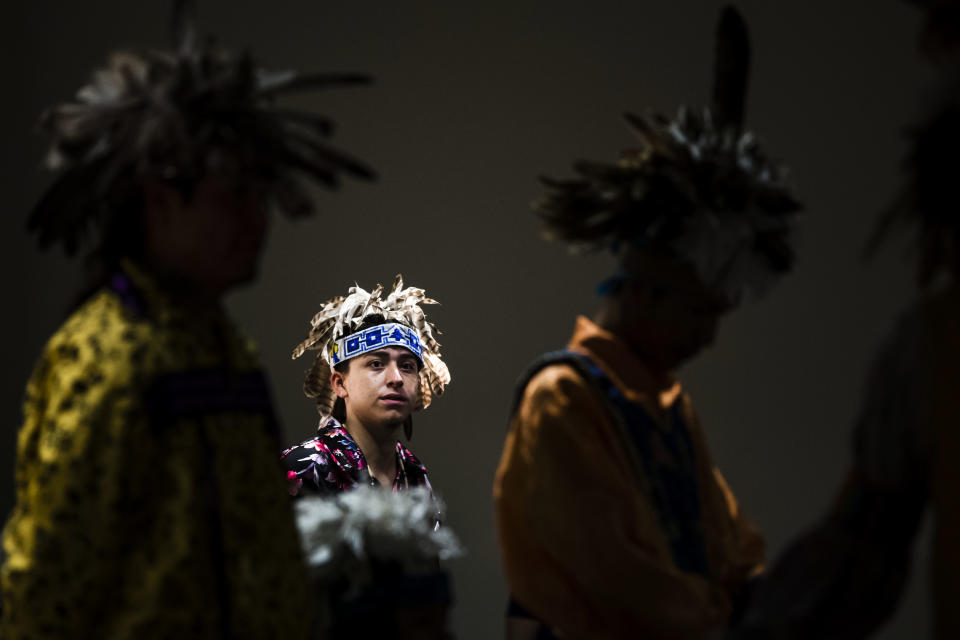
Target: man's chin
[(394, 419)]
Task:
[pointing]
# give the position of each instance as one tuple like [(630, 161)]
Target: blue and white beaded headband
[(378, 337)]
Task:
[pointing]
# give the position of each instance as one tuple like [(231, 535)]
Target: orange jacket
[(582, 546)]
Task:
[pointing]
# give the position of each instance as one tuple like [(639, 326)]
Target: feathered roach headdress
[(176, 116), (334, 332), (699, 188), (930, 200)]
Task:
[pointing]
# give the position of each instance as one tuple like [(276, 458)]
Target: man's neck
[(175, 282), (379, 447)]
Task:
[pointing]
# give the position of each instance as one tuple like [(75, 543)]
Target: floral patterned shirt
[(332, 462)]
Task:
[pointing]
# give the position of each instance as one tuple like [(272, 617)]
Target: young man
[(378, 363), (148, 502), (613, 521)]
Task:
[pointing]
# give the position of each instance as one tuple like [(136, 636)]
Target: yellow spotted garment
[(149, 499)]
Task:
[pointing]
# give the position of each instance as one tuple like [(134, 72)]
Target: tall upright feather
[(731, 69)]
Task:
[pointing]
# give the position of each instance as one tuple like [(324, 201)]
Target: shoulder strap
[(673, 495), (580, 363), (603, 389)]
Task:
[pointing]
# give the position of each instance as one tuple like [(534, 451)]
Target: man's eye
[(408, 367), (376, 364)]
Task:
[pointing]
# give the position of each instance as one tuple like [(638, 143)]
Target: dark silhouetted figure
[(843, 578), (613, 520), (149, 501)]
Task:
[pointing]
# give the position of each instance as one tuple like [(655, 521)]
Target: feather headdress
[(929, 201), (698, 188), (177, 116), (343, 315)]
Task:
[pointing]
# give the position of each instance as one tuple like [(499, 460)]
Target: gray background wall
[(473, 100)]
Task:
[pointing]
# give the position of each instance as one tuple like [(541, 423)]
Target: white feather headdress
[(343, 315)]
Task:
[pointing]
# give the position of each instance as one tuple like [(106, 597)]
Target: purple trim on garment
[(130, 297)]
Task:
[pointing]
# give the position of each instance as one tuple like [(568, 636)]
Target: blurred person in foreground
[(613, 520), (844, 577), (148, 496)]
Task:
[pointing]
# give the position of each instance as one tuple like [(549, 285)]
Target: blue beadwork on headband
[(378, 337)]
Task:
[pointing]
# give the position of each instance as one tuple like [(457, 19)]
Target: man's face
[(215, 237), (668, 315), (380, 388), (682, 324)]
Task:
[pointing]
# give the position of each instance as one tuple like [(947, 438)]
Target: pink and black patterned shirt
[(332, 462)]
